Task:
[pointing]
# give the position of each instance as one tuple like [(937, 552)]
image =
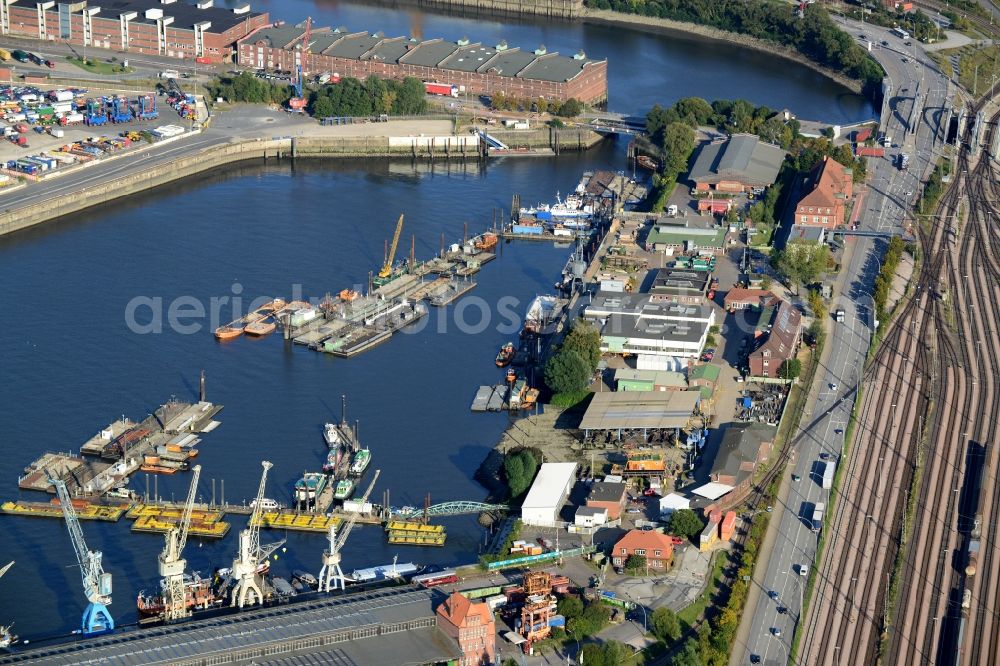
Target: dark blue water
[(70, 364), (643, 68)]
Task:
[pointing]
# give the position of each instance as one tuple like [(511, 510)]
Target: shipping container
[(557, 621), (56, 132), (496, 601), (445, 89), (535, 230)]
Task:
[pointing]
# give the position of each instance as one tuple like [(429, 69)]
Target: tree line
[(815, 35), (571, 108), (373, 96)]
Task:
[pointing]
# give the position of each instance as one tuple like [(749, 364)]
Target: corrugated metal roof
[(546, 492)]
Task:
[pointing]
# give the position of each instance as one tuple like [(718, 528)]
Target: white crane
[(251, 560), (96, 583), (172, 565), (331, 576), (7, 638)]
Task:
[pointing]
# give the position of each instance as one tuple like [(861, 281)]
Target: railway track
[(944, 380)]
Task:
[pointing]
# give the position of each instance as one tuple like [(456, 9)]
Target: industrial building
[(471, 624), (610, 496), (548, 493), (473, 68), (635, 324), (635, 410), (153, 27), (680, 285), (687, 233), (627, 379), (742, 449), (363, 628), (741, 163)]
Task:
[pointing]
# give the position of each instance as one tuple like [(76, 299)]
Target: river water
[(70, 362)]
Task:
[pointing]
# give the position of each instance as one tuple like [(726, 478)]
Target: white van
[(170, 74)]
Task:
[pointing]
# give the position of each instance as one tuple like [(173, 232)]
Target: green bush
[(686, 523), (567, 372), (572, 399)]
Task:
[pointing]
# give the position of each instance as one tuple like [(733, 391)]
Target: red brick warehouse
[(474, 68), (157, 27)]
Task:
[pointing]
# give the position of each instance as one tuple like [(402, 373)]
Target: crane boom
[(6, 567), (96, 583), (185, 525), (345, 531), (391, 254), (331, 576)]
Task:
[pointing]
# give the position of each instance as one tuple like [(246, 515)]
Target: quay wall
[(565, 9), (212, 157)]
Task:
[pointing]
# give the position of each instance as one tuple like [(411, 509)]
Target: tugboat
[(344, 489), (333, 459), (362, 458), (197, 594), (505, 355)]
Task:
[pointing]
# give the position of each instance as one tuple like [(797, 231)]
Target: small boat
[(511, 375), (228, 332), (505, 355), (542, 313), (261, 327), (384, 572), (333, 459), (305, 577), (362, 458), (487, 241), (157, 469), (331, 433), (344, 489), (309, 487), (647, 162)]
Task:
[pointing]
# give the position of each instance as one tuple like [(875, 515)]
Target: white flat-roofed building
[(547, 494)]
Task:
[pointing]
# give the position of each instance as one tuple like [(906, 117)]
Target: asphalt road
[(916, 99)]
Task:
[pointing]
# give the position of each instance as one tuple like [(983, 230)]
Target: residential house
[(781, 335), (655, 546)]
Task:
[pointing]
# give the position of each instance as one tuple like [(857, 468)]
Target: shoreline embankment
[(248, 150)]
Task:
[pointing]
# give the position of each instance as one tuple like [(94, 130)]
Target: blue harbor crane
[(96, 583)]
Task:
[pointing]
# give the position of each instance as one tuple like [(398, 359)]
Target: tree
[(323, 108), (593, 619), (571, 108), (678, 143), (802, 262), (585, 340), (685, 522), (766, 282), (614, 653), (635, 564), (592, 654), (814, 333), (519, 468), (570, 607), (567, 372), (790, 369), (665, 624), (816, 304), (689, 656)]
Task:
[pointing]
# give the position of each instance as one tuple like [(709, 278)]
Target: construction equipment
[(146, 108), (171, 563), (298, 103), (251, 561), (7, 638), (96, 113), (390, 254), (96, 583), (331, 576)]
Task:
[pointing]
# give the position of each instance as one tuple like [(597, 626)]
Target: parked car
[(708, 355)]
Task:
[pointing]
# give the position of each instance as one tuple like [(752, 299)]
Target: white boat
[(331, 433), (542, 313)]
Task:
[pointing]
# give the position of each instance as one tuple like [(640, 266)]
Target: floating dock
[(167, 513), (109, 514), (81, 472), (415, 534), (491, 398), (302, 522), (210, 530)]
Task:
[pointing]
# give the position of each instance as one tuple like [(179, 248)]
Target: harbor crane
[(251, 561), (7, 637), (331, 576), (96, 583), (298, 103), (390, 254), (171, 563)]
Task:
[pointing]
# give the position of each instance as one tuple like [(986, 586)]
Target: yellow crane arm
[(387, 267)]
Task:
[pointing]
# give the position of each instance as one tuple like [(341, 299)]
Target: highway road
[(916, 101)]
